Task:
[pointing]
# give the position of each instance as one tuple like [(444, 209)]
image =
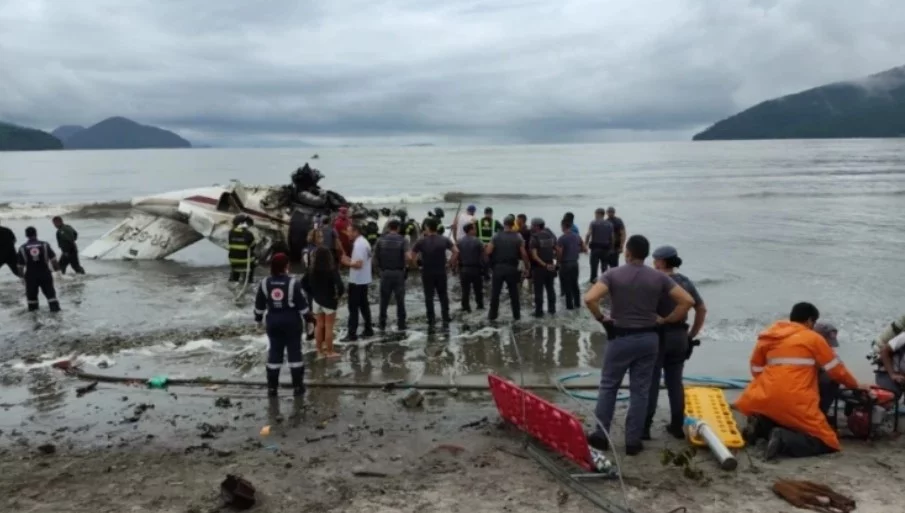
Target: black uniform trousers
[(44, 282), (600, 260), (472, 279), (10, 260), (568, 282), (237, 273), (392, 283), (793, 444), (509, 275), (358, 303), (543, 282), (613, 259), (71, 259), (435, 283), (284, 332)]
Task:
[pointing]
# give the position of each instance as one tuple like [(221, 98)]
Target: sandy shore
[(124, 448)]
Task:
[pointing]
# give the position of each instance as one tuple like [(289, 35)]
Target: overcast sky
[(439, 71)]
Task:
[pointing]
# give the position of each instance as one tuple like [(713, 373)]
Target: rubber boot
[(298, 381), (273, 382)]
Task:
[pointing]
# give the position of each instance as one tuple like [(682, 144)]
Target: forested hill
[(17, 138), (870, 107)]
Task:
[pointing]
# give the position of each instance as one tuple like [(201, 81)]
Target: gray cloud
[(416, 70)]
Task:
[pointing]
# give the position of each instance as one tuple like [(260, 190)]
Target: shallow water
[(760, 226)]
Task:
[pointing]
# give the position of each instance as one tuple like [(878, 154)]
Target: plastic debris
[(265, 431), (158, 382)]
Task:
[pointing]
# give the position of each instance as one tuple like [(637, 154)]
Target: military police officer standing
[(568, 246), (505, 250), (472, 262), (432, 248), (600, 239), (543, 271), (34, 259), (389, 258), (241, 249), (636, 291)]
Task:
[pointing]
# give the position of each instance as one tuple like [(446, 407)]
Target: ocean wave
[(17, 210), (825, 194), (100, 210)]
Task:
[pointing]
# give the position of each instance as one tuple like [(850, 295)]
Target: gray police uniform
[(504, 261), (544, 243), (570, 245), (600, 245), (433, 248), (390, 252), (471, 265)]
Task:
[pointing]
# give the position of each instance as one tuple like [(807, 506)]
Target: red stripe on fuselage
[(212, 201)]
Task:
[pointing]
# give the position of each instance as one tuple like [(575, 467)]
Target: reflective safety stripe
[(33, 302), (792, 361), (274, 366), (243, 261), (264, 288), (291, 292), (755, 368), (259, 312), (832, 363), (52, 300), (241, 247), (296, 365)]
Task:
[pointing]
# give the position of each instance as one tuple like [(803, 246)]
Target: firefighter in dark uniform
[(34, 259), (505, 250), (241, 249), (280, 295), (389, 259), (543, 252), (372, 233)]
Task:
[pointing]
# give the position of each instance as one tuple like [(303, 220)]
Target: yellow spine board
[(710, 405)]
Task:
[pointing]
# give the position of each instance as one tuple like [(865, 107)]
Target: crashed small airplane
[(160, 225)]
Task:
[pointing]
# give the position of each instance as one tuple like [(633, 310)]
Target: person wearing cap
[(889, 357), (782, 401), (634, 324), (280, 296), (543, 266), (471, 263), (828, 388), (600, 239), (461, 220), (488, 227), (505, 251), (619, 237), (675, 341)]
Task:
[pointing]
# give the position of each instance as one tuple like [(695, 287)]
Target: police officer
[(675, 345), (600, 239), (389, 258), (34, 259), (472, 262), (241, 249), (432, 248), (8, 250), (568, 247), (543, 267), (636, 291), (505, 250), (280, 295), (618, 236)]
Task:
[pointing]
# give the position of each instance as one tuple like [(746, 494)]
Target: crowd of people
[(32, 261)]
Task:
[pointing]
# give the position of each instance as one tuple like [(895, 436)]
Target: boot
[(273, 382), (298, 381)]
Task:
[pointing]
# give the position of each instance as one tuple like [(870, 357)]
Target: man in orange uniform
[(783, 401)]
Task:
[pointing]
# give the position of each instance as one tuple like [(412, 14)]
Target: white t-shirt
[(464, 219), (898, 355), (361, 250)]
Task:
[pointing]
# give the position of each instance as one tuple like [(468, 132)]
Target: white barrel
[(700, 428)]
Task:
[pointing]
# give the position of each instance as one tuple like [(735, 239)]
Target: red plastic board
[(556, 428)]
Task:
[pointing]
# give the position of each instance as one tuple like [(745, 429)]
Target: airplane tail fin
[(142, 236)]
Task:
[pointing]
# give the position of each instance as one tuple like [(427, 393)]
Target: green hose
[(724, 383)]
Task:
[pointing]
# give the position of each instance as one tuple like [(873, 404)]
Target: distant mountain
[(17, 138), (122, 133), (66, 131), (870, 107)]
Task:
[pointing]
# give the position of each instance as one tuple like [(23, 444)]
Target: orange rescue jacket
[(784, 365)]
